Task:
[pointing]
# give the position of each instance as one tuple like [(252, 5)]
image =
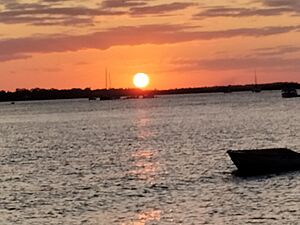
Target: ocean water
[(142, 162)]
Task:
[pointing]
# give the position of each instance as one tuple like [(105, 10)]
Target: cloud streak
[(268, 8), (122, 3), (240, 12), (131, 35), (51, 13), (160, 9), (239, 63), (292, 5), (277, 51), (55, 12)]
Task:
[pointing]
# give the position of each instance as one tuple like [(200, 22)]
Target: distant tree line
[(22, 94), (48, 94), (233, 88)]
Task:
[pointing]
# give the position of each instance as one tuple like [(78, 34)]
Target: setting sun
[(141, 80)]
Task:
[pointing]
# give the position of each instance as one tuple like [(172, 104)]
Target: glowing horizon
[(67, 44)]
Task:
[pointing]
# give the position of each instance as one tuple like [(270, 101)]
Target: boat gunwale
[(264, 151)]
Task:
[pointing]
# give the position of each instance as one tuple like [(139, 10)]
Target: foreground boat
[(260, 161)]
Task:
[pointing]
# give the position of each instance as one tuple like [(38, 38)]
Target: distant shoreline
[(51, 94)]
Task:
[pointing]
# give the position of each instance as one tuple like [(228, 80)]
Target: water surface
[(152, 161)]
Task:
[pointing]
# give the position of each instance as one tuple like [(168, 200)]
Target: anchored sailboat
[(255, 89), (107, 80), (109, 94)]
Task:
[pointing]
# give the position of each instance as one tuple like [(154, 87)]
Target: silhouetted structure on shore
[(230, 88), (104, 94)]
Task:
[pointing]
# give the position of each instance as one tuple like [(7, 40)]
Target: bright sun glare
[(141, 80)]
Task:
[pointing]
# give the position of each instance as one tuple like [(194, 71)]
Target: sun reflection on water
[(144, 161), (145, 217), (143, 132), (144, 166)]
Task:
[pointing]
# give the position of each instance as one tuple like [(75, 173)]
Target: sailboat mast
[(255, 87), (109, 80), (105, 78)]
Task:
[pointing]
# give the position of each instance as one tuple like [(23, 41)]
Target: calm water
[(152, 161)]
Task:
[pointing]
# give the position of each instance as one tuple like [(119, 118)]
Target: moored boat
[(256, 88), (289, 93), (265, 160)]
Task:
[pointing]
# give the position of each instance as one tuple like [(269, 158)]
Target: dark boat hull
[(265, 160), (289, 93), (284, 95)]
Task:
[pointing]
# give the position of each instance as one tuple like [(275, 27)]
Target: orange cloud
[(131, 35)]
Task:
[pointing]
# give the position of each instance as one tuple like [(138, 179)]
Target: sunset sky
[(192, 43)]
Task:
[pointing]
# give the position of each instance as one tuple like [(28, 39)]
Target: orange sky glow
[(67, 44)]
